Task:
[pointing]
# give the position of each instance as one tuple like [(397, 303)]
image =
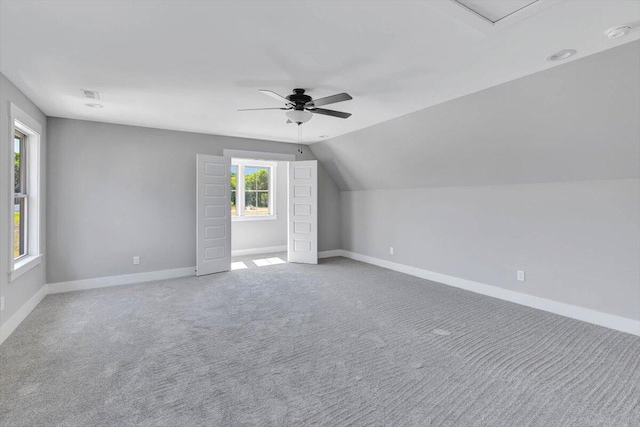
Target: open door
[(213, 221), (303, 212)]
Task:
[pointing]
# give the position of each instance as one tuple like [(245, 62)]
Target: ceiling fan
[(300, 107)]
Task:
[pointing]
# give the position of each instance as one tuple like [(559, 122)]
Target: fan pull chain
[(299, 138)]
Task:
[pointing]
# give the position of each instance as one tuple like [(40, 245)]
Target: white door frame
[(311, 256), (260, 155)]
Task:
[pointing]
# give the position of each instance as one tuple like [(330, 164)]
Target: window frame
[(24, 194), (32, 129), (241, 164)]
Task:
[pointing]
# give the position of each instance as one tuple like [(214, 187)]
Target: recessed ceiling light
[(563, 54), (91, 94), (324, 136), (618, 32), (92, 105)]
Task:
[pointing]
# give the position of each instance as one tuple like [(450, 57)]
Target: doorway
[(251, 203), (258, 212)]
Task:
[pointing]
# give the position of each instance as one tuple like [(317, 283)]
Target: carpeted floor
[(258, 261), (337, 344)]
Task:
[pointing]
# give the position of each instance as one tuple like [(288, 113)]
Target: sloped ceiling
[(578, 121), (189, 65)]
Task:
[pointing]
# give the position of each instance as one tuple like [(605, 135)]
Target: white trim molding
[(14, 321), (124, 279), (258, 155), (32, 129), (23, 265), (330, 254), (78, 285), (241, 190), (595, 317), (242, 218), (574, 312), (258, 251)]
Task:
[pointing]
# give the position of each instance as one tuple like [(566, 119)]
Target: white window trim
[(21, 121), (241, 163), (258, 155)]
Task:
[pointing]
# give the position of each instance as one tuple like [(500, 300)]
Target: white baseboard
[(79, 285), (579, 313), (611, 321), (257, 251), (125, 279), (331, 253), (22, 313)]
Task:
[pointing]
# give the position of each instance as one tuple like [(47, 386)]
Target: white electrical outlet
[(1, 303), (391, 250), (136, 260), (520, 275)]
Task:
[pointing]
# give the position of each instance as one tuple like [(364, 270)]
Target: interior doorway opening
[(251, 203), (258, 212)]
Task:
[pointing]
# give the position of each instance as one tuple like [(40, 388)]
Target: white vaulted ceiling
[(190, 65)]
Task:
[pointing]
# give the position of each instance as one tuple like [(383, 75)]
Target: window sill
[(24, 265), (254, 218)]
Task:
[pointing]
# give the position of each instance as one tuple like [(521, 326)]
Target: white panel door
[(303, 212), (213, 222)]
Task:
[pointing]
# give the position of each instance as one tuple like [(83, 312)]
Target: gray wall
[(118, 191), (539, 174), (578, 242), (578, 121), (18, 292), (269, 233)]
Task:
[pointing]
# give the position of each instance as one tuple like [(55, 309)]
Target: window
[(256, 190), (252, 189), (24, 212), (20, 198)]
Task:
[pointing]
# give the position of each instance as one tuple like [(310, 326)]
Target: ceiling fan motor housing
[(299, 99)]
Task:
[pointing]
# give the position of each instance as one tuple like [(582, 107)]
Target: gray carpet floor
[(249, 261), (337, 344)]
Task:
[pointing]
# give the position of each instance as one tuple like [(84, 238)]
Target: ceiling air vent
[(90, 94)]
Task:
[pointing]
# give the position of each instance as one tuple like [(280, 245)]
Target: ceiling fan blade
[(330, 99), (332, 113), (275, 96), (289, 121), (257, 109)]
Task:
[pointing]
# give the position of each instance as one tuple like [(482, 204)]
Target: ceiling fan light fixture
[(299, 116)]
